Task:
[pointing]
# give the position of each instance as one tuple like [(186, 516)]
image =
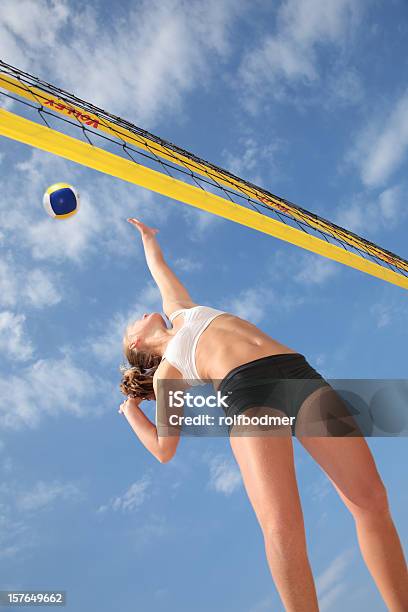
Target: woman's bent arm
[(161, 447)]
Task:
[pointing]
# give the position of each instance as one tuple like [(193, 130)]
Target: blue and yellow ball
[(61, 201)]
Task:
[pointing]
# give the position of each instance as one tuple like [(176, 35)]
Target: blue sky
[(306, 98)]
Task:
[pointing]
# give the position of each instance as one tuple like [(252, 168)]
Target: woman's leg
[(268, 472), (350, 466)]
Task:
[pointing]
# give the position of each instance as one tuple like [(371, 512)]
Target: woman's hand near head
[(163, 448), (134, 402), (129, 403)]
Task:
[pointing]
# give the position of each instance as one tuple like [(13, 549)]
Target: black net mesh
[(69, 114)]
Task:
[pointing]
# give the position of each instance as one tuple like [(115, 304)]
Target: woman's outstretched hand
[(144, 229)]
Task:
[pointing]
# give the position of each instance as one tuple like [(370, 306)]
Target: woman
[(208, 344)]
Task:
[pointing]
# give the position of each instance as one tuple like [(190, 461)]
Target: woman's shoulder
[(170, 308), (166, 370)]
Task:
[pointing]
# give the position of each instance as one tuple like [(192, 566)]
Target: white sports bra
[(180, 351)]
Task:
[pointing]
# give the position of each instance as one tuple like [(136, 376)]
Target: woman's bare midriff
[(228, 342)]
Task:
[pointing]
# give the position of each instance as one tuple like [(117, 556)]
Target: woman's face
[(146, 326)]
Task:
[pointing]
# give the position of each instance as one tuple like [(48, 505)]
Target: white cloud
[(319, 489), (250, 304), (260, 301), (225, 476), (56, 240), (290, 56), (107, 344), (389, 203), (14, 340), (40, 290), (315, 270), (20, 284), (153, 527), (328, 600), (25, 28), (187, 264), (19, 503), (382, 314), (265, 605), (44, 495), (320, 360), (8, 284), (251, 157), (98, 229), (6, 462), (309, 22), (7, 465), (344, 88), (25, 221), (381, 147), (367, 214), (6, 104), (331, 582), (299, 266), (388, 312), (15, 535), (173, 48), (29, 21), (200, 222), (50, 387), (131, 499)]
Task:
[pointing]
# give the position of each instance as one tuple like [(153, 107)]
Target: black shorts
[(283, 382)]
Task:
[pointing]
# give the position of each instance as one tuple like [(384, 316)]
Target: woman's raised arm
[(173, 292)]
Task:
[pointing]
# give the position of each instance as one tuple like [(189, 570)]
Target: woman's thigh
[(268, 472), (350, 466), (327, 430)]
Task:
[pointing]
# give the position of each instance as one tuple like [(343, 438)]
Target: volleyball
[(61, 201)]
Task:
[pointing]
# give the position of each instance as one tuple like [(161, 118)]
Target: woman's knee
[(371, 498)]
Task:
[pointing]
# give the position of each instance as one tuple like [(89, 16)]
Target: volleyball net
[(60, 123)]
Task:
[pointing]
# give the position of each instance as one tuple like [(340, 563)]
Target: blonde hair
[(137, 377)]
